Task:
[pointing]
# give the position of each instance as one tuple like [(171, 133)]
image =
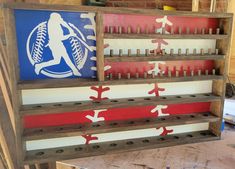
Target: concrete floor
[(208, 155)]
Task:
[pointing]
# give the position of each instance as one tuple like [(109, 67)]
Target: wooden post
[(219, 86), (99, 46), (14, 78)]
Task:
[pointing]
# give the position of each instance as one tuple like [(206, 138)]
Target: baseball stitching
[(77, 52), (38, 46)]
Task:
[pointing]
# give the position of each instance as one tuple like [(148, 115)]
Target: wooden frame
[(16, 86)]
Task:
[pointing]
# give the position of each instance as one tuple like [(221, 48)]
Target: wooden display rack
[(12, 87)]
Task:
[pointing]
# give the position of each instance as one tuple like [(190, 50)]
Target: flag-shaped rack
[(14, 87)]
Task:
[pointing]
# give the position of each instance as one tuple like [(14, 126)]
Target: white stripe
[(120, 91), (78, 140)]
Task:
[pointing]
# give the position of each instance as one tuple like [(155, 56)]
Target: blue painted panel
[(55, 44)]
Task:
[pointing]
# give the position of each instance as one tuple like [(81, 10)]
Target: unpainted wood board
[(100, 46), (232, 66), (7, 136), (119, 10), (14, 77), (7, 97), (3, 163)]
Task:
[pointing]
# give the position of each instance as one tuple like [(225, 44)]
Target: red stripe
[(150, 21), (111, 114), (141, 67)]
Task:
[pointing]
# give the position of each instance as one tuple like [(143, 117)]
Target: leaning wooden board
[(76, 69)]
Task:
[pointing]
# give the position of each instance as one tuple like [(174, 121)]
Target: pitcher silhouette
[(56, 38)]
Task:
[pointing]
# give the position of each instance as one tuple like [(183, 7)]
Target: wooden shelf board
[(143, 58), (114, 10), (114, 126), (79, 151), (163, 36), (163, 79), (61, 83), (114, 103)]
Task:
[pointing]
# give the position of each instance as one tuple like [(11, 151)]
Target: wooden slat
[(14, 77), (4, 63), (114, 126), (115, 10), (213, 6), (195, 5), (7, 136), (7, 98), (100, 46), (121, 146), (219, 87), (114, 103), (143, 58), (163, 36), (60, 83)]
